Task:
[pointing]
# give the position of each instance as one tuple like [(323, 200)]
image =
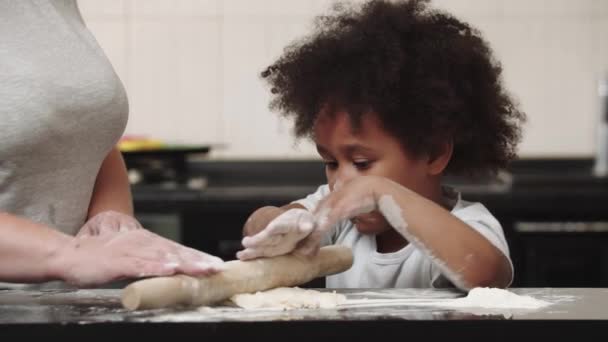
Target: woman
[(65, 204)]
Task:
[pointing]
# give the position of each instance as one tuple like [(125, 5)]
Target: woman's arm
[(27, 250), (32, 253), (112, 190), (111, 206)]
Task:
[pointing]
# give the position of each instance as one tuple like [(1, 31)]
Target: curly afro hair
[(428, 76)]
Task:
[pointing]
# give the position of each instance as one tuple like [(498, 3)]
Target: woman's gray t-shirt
[(62, 109)]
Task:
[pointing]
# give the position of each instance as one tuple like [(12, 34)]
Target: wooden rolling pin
[(237, 277)]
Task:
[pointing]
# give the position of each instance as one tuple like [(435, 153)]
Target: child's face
[(368, 151)]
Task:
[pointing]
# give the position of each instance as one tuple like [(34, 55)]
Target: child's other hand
[(347, 200), (355, 197), (280, 237)]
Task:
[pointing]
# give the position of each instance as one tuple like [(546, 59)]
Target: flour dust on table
[(287, 298), (490, 298)]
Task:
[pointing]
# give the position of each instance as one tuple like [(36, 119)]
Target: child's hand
[(301, 231), (260, 219), (358, 196), (346, 201), (280, 237)]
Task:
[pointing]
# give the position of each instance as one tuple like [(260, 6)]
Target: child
[(394, 95)]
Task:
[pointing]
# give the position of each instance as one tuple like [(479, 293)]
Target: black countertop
[(367, 313)]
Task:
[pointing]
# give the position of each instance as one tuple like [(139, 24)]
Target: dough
[(287, 298)]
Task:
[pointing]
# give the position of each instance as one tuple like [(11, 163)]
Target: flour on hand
[(287, 298)]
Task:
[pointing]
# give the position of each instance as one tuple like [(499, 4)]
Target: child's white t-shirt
[(408, 267)]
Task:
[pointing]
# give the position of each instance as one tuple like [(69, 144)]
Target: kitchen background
[(191, 69)]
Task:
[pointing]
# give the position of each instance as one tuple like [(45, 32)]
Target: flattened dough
[(287, 298)]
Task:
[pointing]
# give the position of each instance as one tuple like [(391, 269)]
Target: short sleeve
[(311, 201)]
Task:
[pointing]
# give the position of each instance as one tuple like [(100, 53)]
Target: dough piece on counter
[(287, 298)]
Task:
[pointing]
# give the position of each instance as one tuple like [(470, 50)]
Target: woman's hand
[(89, 260), (108, 222)]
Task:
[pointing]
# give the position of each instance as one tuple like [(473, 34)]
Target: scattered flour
[(296, 298), (490, 298), (288, 298)]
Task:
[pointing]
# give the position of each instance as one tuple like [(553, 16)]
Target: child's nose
[(345, 174)]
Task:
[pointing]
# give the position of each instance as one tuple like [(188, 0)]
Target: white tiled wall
[(191, 67)]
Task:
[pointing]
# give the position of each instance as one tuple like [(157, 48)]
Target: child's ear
[(440, 158)]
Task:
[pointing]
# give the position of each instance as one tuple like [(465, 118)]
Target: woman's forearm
[(112, 189), (33, 253), (28, 250)]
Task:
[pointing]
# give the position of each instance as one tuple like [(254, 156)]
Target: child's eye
[(362, 164), (332, 165)]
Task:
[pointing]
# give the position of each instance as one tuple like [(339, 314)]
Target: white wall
[(191, 67)]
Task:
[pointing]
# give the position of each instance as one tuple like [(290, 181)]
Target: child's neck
[(390, 241)]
